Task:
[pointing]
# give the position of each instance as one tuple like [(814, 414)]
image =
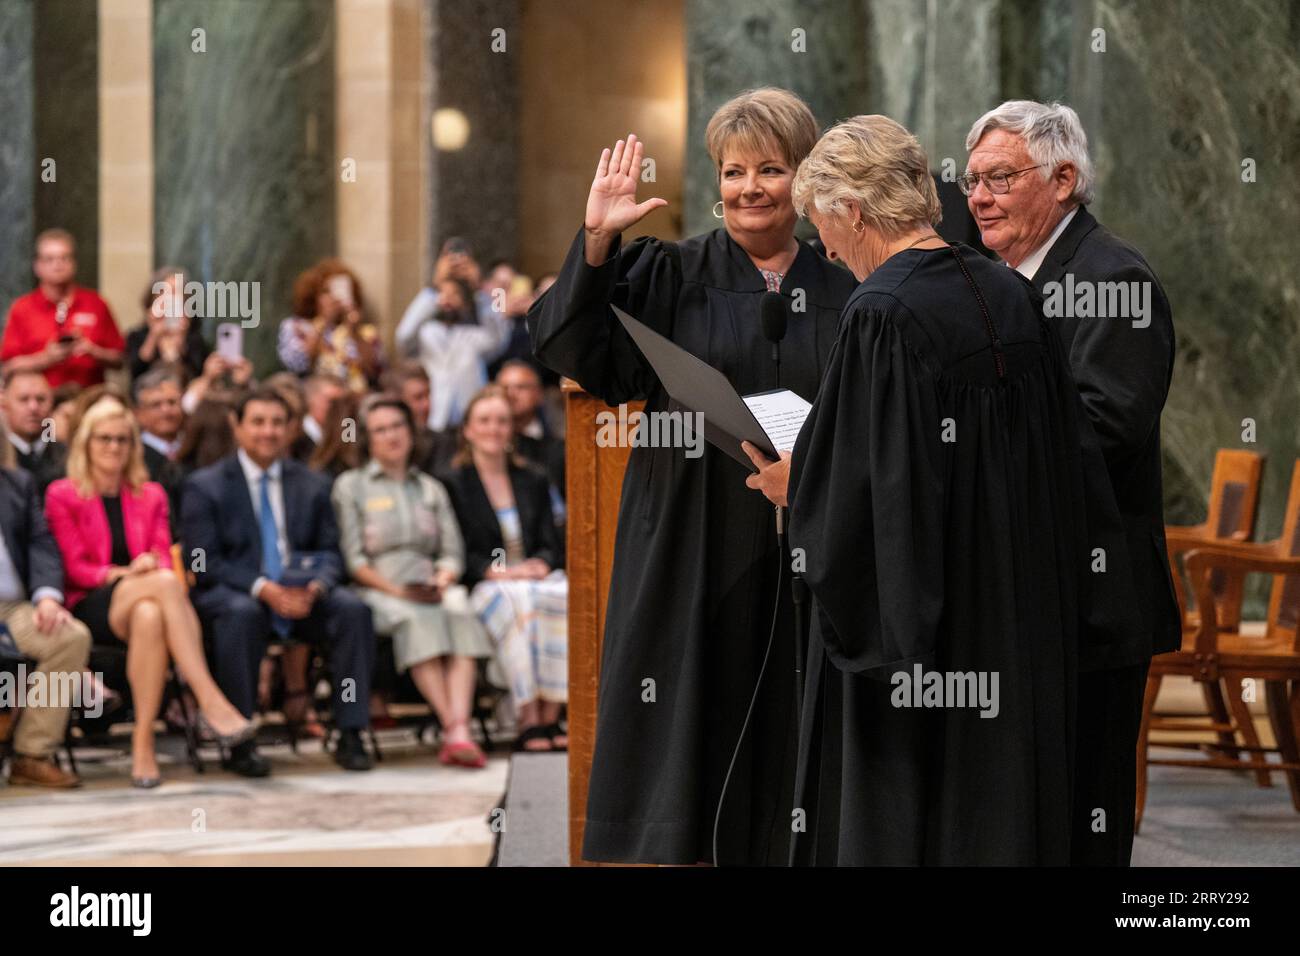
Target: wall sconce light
[(450, 129)]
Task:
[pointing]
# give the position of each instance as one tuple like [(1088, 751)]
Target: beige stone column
[(125, 154), (382, 136)]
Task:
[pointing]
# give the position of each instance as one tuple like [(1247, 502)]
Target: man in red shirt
[(59, 328)]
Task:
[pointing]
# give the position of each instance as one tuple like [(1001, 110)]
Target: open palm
[(612, 205)]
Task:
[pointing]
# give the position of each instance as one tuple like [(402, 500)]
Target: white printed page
[(781, 413)]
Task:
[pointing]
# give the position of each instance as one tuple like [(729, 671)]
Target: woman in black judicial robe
[(694, 580), (937, 490)]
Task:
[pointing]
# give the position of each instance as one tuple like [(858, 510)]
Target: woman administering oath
[(695, 567), (940, 491)]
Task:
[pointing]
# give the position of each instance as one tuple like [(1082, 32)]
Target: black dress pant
[(1105, 772), (240, 628)]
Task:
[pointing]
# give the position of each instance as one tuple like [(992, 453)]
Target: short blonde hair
[(876, 163), (108, 408), (757, 119)]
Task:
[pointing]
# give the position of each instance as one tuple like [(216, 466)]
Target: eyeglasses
[(111, 439), (997, 183)]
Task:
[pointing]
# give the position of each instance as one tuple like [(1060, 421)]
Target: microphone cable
[(776, 609)]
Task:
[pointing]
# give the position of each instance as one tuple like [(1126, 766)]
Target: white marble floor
[(408, 810)]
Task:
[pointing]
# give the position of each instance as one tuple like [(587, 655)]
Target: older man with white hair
[(1027, 182)]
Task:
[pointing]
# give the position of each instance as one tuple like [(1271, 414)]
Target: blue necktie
[(271, 565)]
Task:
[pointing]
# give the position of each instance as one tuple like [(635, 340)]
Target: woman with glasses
[(110, 522), (403, 548)]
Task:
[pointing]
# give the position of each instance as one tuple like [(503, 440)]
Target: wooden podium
[(594, 486)]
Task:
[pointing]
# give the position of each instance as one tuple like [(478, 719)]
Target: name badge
[(84, 320), (379, 504)]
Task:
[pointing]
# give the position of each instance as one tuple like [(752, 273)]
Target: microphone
[(773, 315)]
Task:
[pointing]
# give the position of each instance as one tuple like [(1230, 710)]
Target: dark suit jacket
[(46, 467), (434, 451), (31, 547), (547, 453), (478, 522), (1123, 374), (302, 448), (217, 516), (171, 476)]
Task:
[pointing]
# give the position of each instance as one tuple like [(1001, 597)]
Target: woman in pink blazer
[(111, 525)]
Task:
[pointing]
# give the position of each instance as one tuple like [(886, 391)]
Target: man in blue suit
[(248, 523)]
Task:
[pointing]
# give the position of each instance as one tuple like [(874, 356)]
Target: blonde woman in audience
[(111, 525), (512, 562)]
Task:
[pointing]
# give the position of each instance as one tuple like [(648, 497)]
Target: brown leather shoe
[(35, 772)]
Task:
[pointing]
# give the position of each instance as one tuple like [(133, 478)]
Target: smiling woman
[(111, 526), (696, 556)]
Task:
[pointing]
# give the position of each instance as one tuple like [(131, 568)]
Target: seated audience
[(28, 405), (110, 522), (433, 450), (403, 548), (65, 398), (267, 529), (31, 607), (169, 336), (59, 328), (218, 374), (511, 292), (339, 450), (454, 332), (328, 333), (511, 559), (319, 392), (157, 396), (533, 440), (209, 435)]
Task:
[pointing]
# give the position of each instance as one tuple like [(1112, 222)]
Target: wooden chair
[(1214, 656), (1234, 500)]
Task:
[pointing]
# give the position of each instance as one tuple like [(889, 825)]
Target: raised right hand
[(611, 204)]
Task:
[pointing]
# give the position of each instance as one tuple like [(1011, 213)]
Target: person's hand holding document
[(782, 414)]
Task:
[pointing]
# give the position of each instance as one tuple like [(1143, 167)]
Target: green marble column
[(245, 170), (1188, 92), (66, 123), (935, 68), (733, 45), (17, 152), (473, 190)]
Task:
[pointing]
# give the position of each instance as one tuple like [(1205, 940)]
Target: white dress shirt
[(161, 445), (275, 489), (455, 356), (1034, 260), (315, 431)]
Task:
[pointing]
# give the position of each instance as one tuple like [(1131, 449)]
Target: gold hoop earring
[(716, 214), (859, 226)]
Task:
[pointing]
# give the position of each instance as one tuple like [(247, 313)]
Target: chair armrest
[(1179, 538), (1243, 559)]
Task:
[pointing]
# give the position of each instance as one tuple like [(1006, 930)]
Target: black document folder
[(697, 386)]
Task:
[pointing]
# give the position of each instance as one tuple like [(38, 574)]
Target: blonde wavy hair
[(105, 410), (876, 163), (755, 119)]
